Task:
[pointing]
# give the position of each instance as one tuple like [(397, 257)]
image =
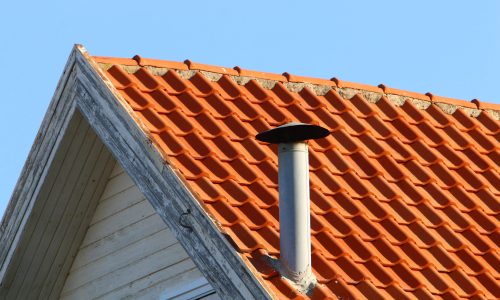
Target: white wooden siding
[(127, 252), (59, 215)]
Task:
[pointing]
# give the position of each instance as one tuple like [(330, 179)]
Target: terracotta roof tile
[(357, 86), (141, 61), (260, 75), (389, 90), (202, 67), (304, 79), (404, 195), (463, 103)]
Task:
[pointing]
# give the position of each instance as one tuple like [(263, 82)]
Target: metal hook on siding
[(182, 221)]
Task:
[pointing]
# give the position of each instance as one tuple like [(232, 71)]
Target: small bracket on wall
[(182, 220)]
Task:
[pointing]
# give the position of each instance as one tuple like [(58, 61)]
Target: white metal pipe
[(294, 210)]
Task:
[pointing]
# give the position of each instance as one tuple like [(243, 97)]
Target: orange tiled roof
[(404, 192)]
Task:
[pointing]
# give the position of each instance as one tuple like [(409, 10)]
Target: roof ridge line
[(346, 88)]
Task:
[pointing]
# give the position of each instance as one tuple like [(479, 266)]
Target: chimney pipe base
[(304, 282)]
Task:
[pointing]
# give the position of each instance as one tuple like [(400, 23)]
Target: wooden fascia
[(112, 119)]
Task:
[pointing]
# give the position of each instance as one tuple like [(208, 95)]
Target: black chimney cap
[(292, 132)]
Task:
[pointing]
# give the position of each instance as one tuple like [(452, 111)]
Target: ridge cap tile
[(357, 86), (306, 79), (400, 194), (210, 68), (454, 101), (159, 63), (404, 93), (260, 75)]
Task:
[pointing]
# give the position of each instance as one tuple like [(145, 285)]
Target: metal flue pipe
[(294, 200)]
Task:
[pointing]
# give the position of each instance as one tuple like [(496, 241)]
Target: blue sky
[(449, 48)]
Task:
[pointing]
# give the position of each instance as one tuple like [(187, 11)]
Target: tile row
[(233, 130), (355, 174), (459, 215), (186, 105), (379, 280), (342, 289), (144, 63), (199, 86), (437, 275), (175, 124), (260, 223)]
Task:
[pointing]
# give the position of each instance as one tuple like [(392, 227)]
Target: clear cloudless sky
[(449, 48)]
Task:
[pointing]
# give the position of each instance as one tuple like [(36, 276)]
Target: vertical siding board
[(76, 226), (35, 238), (34, 171), (73, 126), (54, 290), (66, 203), (66, 208)]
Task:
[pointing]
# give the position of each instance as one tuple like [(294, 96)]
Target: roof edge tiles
[(321, 86)]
